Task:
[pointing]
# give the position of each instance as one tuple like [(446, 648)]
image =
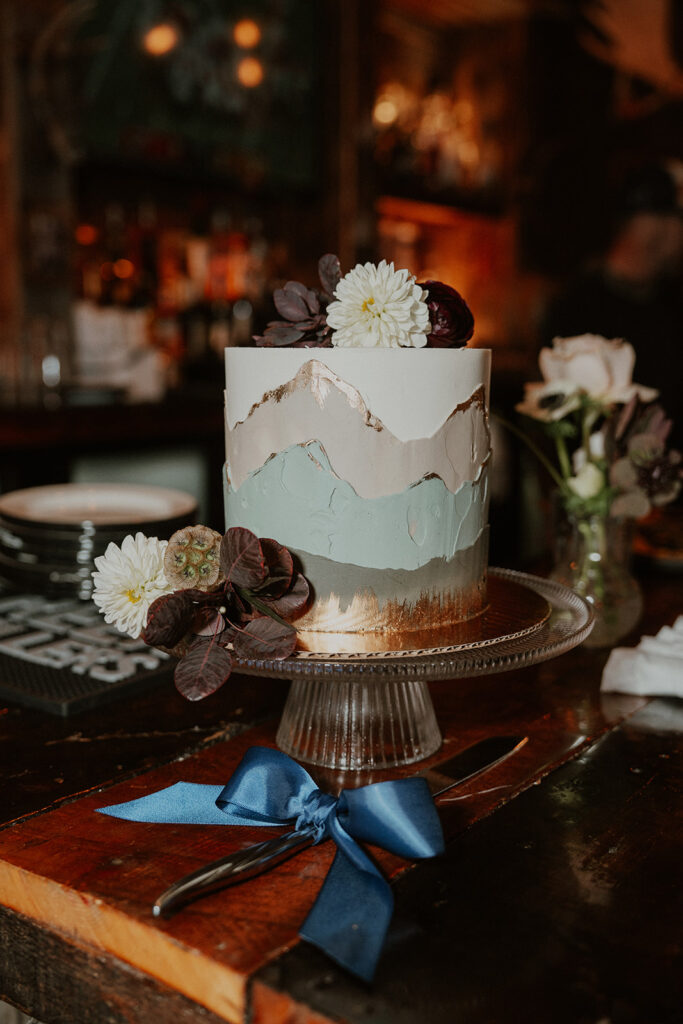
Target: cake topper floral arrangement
[(610, 435), (373, 306), (202, 597)]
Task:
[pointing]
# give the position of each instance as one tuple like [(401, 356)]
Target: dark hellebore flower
[(450, 317)]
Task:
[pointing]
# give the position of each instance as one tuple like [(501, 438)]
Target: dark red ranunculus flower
[(450, 317)]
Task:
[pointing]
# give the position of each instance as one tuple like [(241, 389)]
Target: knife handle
[(236, 867)]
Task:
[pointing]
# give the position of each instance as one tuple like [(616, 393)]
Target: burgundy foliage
[(167, 619), (203, 670), (265, 638), (304, 323), (294, 600), (280, 568), (304, 312), (247, 609), (242, 559)]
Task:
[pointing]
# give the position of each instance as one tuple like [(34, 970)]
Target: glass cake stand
[(355, 712)]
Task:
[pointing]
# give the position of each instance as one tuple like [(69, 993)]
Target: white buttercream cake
[(371, 466)]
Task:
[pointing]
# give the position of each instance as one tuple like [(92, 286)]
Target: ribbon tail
[(184, 803), (351, 915), (267, 788)]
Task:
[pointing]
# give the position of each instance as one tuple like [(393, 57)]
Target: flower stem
[(534, 449), (563, 457)]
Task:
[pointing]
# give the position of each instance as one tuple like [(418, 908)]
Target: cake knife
[(238, 867)]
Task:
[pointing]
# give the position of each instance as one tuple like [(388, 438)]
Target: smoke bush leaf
[(293, 601), (242, 559), (169, 618), (280, 567), (265, 638), (203, 670), (329, 271)]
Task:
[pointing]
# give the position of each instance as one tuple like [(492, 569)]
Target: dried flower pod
[(192, 558)]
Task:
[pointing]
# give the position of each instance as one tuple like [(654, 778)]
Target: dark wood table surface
[(558, 898)]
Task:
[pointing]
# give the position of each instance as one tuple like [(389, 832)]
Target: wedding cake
[(370, 463)]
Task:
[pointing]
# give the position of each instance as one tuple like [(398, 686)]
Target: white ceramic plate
[(101, 504)]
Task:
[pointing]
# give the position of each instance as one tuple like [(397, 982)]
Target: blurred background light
[(247, 34), (385, 112), (161, 39), (123, 269), (250, 72), (86, 234)]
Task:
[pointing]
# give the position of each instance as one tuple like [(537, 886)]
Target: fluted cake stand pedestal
[(355, 712)]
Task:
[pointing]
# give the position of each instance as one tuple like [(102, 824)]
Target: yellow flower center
[(367, 304), (133, 596)]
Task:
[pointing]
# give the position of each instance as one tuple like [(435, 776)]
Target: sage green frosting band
[(296, 497)]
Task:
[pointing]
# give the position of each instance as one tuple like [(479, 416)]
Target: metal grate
[(60, 656)]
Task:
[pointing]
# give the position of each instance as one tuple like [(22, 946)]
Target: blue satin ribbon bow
[(351, 914)]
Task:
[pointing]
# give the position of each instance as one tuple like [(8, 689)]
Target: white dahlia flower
[(128, 579), (379, 307)]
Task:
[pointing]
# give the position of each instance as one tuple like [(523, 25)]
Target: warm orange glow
[(107, 271), (124, 269), (246, 34), (250, 72), (161, 39), (86, 234), (385, 112)]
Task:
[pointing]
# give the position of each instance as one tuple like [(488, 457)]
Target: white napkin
[(655, 666)]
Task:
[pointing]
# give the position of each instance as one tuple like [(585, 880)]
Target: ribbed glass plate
[(374, 710), (564, 622)]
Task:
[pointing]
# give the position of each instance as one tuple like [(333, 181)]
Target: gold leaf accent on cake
[(364, 613), (317, 378), (364, 625), (512, 611)]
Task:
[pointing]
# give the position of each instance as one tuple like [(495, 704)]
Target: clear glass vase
[(593, 557)]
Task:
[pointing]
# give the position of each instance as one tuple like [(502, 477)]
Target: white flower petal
[(378, 307), (596, 444), (128, 579), (549, 402), (588, 482)]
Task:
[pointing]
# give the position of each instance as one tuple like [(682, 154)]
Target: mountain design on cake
[(327, 517), (372, 468), (318, 404)]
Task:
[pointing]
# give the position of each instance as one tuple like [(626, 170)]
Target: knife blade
[(244, 864)]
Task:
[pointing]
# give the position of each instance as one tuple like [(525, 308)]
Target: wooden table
[(558, 899)]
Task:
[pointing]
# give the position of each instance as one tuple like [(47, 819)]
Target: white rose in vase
[(601, 368)]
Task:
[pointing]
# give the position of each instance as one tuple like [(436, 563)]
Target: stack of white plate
[(49, 536)]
